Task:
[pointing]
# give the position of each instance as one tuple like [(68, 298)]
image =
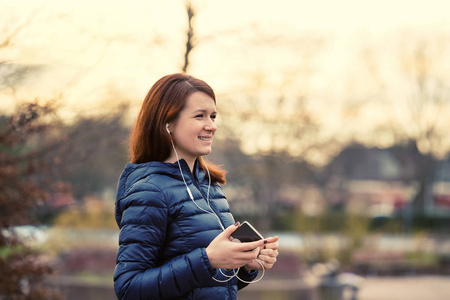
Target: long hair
[(149, 140)]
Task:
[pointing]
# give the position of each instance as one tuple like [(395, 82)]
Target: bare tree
[(272, 118), (12, 74), (416, 112), (428, 99), (190, 34)]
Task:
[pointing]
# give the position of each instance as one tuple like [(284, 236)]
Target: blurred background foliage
[(376, 198)]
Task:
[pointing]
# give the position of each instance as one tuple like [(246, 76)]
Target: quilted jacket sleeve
[(138, 274)]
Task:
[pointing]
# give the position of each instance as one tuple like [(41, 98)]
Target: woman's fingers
[(272, 239), (268, 255), (272, 243), (250, 246), (269, 252), (267, 258)]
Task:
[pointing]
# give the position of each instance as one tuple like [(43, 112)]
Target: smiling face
[(194, 129)]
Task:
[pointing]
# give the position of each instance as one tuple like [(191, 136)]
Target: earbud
[(167, 128)]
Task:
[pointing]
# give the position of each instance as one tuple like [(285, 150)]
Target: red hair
[(149, 140)]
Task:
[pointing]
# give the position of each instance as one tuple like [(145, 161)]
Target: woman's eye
[(199, 116), (213, 117)]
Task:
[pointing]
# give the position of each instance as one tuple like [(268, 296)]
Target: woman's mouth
[(205, 138)]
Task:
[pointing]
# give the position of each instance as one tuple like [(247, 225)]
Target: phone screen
[(246, 233)]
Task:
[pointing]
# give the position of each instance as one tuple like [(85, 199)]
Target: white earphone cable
[(189, 190), (235, 271)]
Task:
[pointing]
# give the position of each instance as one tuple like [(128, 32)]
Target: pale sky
[(90, 50), (115, 40), (61, 27)]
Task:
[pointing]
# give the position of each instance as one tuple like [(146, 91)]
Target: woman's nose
[(211, 126)]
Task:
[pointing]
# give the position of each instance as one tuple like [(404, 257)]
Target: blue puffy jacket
[(163, 235)]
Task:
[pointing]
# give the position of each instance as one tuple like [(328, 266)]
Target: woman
[(175, 223)]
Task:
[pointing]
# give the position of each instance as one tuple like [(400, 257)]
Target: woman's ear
[(167, 128)]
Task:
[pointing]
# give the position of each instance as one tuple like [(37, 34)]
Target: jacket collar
[(135, 172)]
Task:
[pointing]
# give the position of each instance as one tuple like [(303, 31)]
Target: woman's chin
[(205, 152)]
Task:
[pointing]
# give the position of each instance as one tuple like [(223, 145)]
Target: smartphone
[(246, 233)]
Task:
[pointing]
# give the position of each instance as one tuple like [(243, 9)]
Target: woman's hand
[(224, 254), (267, 255)]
